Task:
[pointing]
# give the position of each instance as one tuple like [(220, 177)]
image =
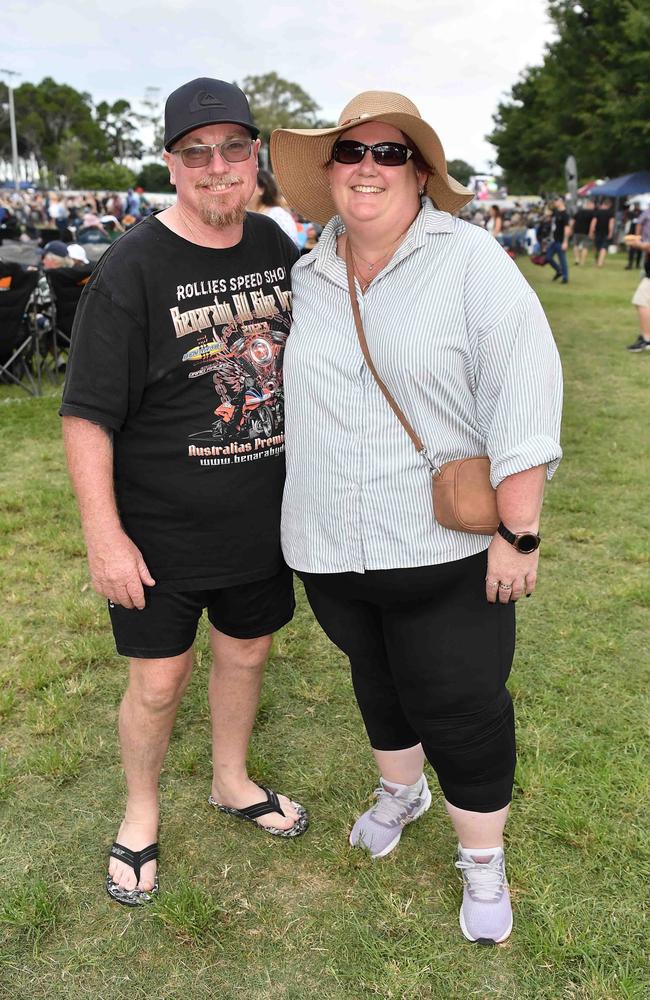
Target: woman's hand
[(510, 574)]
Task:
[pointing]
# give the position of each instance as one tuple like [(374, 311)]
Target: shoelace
[(391, 809), (485, 882)]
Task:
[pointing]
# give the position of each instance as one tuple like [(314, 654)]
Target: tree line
[(590, 98)]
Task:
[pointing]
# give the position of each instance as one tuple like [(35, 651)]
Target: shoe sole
[(393, 844), (481, 940), (131, 897)]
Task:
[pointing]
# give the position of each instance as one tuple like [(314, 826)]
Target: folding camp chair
[(20, 362), (66, 285)]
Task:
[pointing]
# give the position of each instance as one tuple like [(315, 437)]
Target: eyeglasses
[(232, 151), (385, 154)]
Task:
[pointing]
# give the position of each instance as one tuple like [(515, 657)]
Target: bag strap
[(417, 442)]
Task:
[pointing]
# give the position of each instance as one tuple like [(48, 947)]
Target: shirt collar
[(324, 258)]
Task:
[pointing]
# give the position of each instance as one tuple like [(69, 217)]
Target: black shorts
[(601, 243), (167, 625)]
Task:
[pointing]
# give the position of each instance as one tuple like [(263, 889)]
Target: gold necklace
[(365, 282)]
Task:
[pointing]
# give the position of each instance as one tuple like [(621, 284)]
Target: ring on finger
[(505, 586), (492, 583)]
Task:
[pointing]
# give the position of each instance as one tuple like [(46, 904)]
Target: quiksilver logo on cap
[(204, 99)]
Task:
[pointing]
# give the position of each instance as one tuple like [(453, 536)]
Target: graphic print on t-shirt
[(240, 342)]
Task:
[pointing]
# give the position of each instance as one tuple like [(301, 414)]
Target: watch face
[(527, 543)]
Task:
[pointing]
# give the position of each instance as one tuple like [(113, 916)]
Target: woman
[(494, 224), (266, 199), (425, 614)]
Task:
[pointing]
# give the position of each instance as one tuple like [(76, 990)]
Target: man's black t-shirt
[(582, 221), (603, 215), (560, 220), (178, 350)]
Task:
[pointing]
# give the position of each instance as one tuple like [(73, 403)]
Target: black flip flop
[(135, 860), (271, 805)]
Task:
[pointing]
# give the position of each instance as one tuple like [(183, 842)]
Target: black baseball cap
[(56, 247), (205, 102)]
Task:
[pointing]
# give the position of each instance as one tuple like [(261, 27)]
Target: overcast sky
[(454, 58)]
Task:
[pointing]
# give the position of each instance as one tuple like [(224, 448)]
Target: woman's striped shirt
[(462, 342)]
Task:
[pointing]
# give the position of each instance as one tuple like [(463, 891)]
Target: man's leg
[(564, 264), (235, 683), (550, 255), (147, 715)]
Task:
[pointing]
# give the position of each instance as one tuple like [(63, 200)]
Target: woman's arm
[(519, 501)]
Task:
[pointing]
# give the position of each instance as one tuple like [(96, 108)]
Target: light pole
[(12, 122)]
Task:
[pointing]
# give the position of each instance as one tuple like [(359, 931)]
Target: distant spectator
[(601, 230), (77, 254), (113, 228), (580, 225), (58, 213), (560, 229), (494, 224), (643, 226), (92, 231), (634, 253), (266, 200), (115, 205), (57, 254), (132, 205)]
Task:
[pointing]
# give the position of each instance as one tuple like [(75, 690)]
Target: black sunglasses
[(385, 154)]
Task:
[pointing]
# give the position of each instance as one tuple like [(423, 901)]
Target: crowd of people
[(544, 226), (88, 217)]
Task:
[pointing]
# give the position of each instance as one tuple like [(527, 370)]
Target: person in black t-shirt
[(601, 230), (580, 232), (174, 433), (560, 231)]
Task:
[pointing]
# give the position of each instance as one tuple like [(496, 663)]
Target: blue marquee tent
[(623, 187)]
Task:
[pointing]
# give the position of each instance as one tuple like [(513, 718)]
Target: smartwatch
[(524, 541)]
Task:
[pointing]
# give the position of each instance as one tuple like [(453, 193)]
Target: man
[(580, 232), (642, 227), (631, 217), (57, 254), (177, 518), (560, 231), (601, 230)]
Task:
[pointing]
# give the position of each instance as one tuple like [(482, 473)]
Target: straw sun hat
[(300, 156)]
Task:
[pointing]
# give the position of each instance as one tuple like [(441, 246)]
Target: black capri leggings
[(430, 657)]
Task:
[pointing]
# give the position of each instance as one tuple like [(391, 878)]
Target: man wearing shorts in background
[(601, 230), (174, 434)]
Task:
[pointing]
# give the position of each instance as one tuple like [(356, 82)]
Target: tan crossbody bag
[(463, 497)]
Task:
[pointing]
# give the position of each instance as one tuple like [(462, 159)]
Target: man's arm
[(117, 569), (519, 501), (592, 227), (612, 223), (565, 235)]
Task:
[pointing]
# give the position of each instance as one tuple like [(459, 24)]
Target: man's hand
[(510, 574), (118, 571)]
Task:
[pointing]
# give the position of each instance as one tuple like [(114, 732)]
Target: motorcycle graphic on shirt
[(245, 362)]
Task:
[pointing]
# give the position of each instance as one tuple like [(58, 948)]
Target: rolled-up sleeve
[(519, 391)]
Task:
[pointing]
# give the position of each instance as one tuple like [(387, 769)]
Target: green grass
[(242, 915)]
